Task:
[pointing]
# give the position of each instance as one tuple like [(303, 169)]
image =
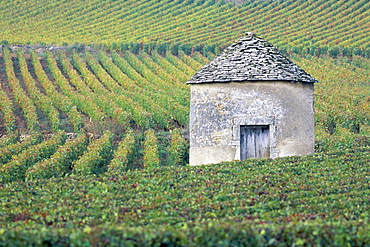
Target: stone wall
[(238, 2), (218, 109), (43, 49)]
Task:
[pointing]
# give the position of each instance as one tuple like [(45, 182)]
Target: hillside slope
[(91, 93), (93, 147), (308, 23), (317, 200)]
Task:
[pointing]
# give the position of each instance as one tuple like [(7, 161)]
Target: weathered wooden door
[(254, 141)]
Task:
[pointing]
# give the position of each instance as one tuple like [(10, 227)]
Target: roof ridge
[(250, 58)]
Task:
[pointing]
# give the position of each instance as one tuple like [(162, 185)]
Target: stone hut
[(250, 102)]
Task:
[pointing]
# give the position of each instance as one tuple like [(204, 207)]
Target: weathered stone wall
[(43, 49), (238, 2), (218, 109)]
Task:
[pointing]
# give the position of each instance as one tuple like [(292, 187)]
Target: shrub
[(6, 140), (98, 153), (123, 154), (151, 154), (15, 170), (178, 149), (7, 152), (60, 163)]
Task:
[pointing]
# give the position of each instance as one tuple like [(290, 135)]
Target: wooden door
[(254, 141)]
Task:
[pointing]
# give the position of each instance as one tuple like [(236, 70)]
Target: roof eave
[(249, 80)]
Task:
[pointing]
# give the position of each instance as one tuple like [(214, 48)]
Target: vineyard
[(303, 26), (114, 124), (317, 200), (95, 99), (94, 126), (116, 98)]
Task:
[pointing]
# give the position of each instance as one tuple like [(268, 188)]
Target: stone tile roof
[(250, 59)]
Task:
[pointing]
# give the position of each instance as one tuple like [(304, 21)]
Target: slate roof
[(250, 59)]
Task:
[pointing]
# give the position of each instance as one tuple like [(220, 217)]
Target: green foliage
[(320, 199), (80, 100), (27, 105), (151, 155), (142, 90), (297, 234), (16, 169), (335, 26), (341, 100), (89, 86), (10, 150), (123, 155), (44, 103), (111, 75), (60, 163), (7, 109), (75, 119), (121, 97), (116, 92), (179, 149), (95, 159), (61, 101), (6, 140)]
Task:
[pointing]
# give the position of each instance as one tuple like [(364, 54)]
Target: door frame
[(259, 133), (241, 120)]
